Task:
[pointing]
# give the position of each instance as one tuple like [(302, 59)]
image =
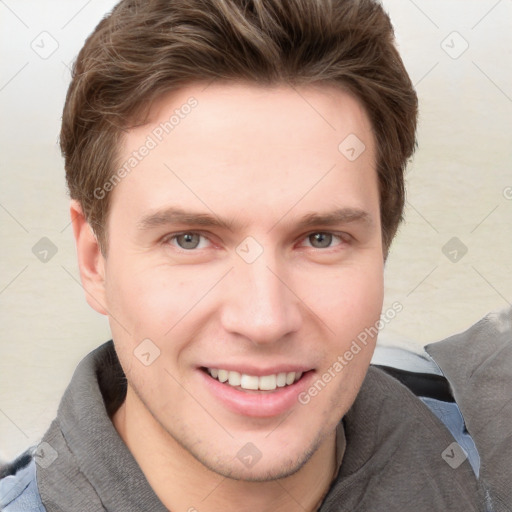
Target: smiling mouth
[(245, 382)]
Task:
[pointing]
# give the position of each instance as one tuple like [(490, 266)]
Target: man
[(236, 175)]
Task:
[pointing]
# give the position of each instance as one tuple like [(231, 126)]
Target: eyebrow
[(174, 215)]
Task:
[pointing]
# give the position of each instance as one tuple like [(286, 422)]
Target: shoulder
[(399, 454), (18, 485), (422, 376)]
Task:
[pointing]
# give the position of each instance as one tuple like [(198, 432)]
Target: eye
[(188, 241), (323, 240)]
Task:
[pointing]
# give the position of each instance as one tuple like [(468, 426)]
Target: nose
[(260, 303)]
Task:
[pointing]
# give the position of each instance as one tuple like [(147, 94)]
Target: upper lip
[(259, 371)]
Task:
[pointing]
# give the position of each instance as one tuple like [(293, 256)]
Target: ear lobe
[(91, 261)]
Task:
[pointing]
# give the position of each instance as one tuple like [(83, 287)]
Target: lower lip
[(258, 405)]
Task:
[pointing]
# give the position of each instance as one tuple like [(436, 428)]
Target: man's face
[(246, 244)]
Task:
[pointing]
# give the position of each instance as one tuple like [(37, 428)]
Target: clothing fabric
[(392, 458), (449, 413), (478, 365), (19, 492)]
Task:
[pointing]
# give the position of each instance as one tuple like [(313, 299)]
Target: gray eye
[(188, 240), (320, 240)]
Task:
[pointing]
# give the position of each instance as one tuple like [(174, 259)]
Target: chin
[(261, 472), (261, 469)]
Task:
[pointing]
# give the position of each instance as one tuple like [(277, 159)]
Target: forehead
[(239, 148)]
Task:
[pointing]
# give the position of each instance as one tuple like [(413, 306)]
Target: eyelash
[(344, 239)]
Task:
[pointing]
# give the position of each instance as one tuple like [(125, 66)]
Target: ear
[(91, 261)]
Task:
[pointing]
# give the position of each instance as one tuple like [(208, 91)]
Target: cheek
[(349, 300), (352, 304), (148, 305), (146, 302)]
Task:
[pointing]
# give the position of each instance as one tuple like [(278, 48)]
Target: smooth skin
[(258, 160)]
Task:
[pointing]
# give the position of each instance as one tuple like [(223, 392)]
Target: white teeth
[(281, 380), (234, 379), (268, 382), (249, 382), (252, 382)]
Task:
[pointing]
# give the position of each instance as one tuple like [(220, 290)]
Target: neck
[(182, 483)]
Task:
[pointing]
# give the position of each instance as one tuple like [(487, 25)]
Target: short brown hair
[(147, 47)]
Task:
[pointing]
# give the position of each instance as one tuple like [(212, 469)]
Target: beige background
[(459, 185)]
